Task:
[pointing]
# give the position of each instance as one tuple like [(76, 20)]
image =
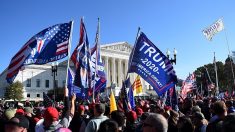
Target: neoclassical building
[(37, 79)]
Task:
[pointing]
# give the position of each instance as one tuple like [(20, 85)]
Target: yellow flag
[(137, 86), (113, 105)]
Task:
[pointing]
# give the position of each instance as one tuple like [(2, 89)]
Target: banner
[(72, 88), (213, 29), (112, 103), (137, 86), (188, 85), (152, 65), (131, 98), (81, 59), (51, 44), (98, 78)]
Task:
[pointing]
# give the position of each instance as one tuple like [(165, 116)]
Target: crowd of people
[(208, 114)]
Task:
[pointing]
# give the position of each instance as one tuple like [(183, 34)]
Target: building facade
[(37, 79)]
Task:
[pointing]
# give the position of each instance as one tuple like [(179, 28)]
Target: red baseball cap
[(20, 112), (81, 108), (51, 113), (131, 116), (139, 111)]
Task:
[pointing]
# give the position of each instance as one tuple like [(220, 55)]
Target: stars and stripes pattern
[(123, 103), (47, 102), (172, 99), (98, 78), (61, 48), (49, 45), (188, 85), (81, 59)]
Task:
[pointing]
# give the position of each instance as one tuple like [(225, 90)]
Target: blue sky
[(168, 23)]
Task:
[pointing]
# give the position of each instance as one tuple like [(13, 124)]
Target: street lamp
[(168, 56), (54, 67)]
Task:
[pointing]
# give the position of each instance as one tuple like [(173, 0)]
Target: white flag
[(213, 29)]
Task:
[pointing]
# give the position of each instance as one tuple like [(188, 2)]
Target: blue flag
[(98, 67), (171, 99), (152, 65), (125, 101), (81, 59), (131, 98), (51, 44), (73, 88), (128, 82)]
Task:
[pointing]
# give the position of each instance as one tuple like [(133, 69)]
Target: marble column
[(107, 70), (120, 75), (126, 67), (113, 70)]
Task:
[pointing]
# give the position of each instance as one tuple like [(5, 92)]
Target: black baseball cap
[(19, 120)]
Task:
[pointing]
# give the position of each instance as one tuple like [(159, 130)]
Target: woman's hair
[(108, 126), (185, 124)]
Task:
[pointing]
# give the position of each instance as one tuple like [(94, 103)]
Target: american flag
[(47, 102), (81, 59), (49, 45), (211, 86), (123, 103), (188, 85), (172, 99)]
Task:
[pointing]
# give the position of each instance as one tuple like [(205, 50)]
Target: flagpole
[(216, 76), (69, 47), (97, 44), (208, 74), (229, 53), (138, 32)]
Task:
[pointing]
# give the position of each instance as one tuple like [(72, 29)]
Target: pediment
[(119, 46)]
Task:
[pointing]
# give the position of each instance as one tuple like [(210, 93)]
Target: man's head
[(197, 118), (19, 123), (9, 113), (108, 126), (81, 109), (229, 103), (219, 108), (228, 123), (119, 117), (50, 115), (155, 123), (196, 109), (185, 124), (99, 109), (28, 111), (131, 116), (139, 111), (19, 112)]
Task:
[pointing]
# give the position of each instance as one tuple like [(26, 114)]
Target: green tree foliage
[(224, 72), (14, 91), (59, 93)]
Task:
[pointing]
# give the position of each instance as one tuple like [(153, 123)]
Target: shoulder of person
[(40, 122)]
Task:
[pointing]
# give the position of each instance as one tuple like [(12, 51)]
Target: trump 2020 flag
[(100, 80), (49, 45), (216, 27), (81, 59), (152, 65), (73, 88)]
